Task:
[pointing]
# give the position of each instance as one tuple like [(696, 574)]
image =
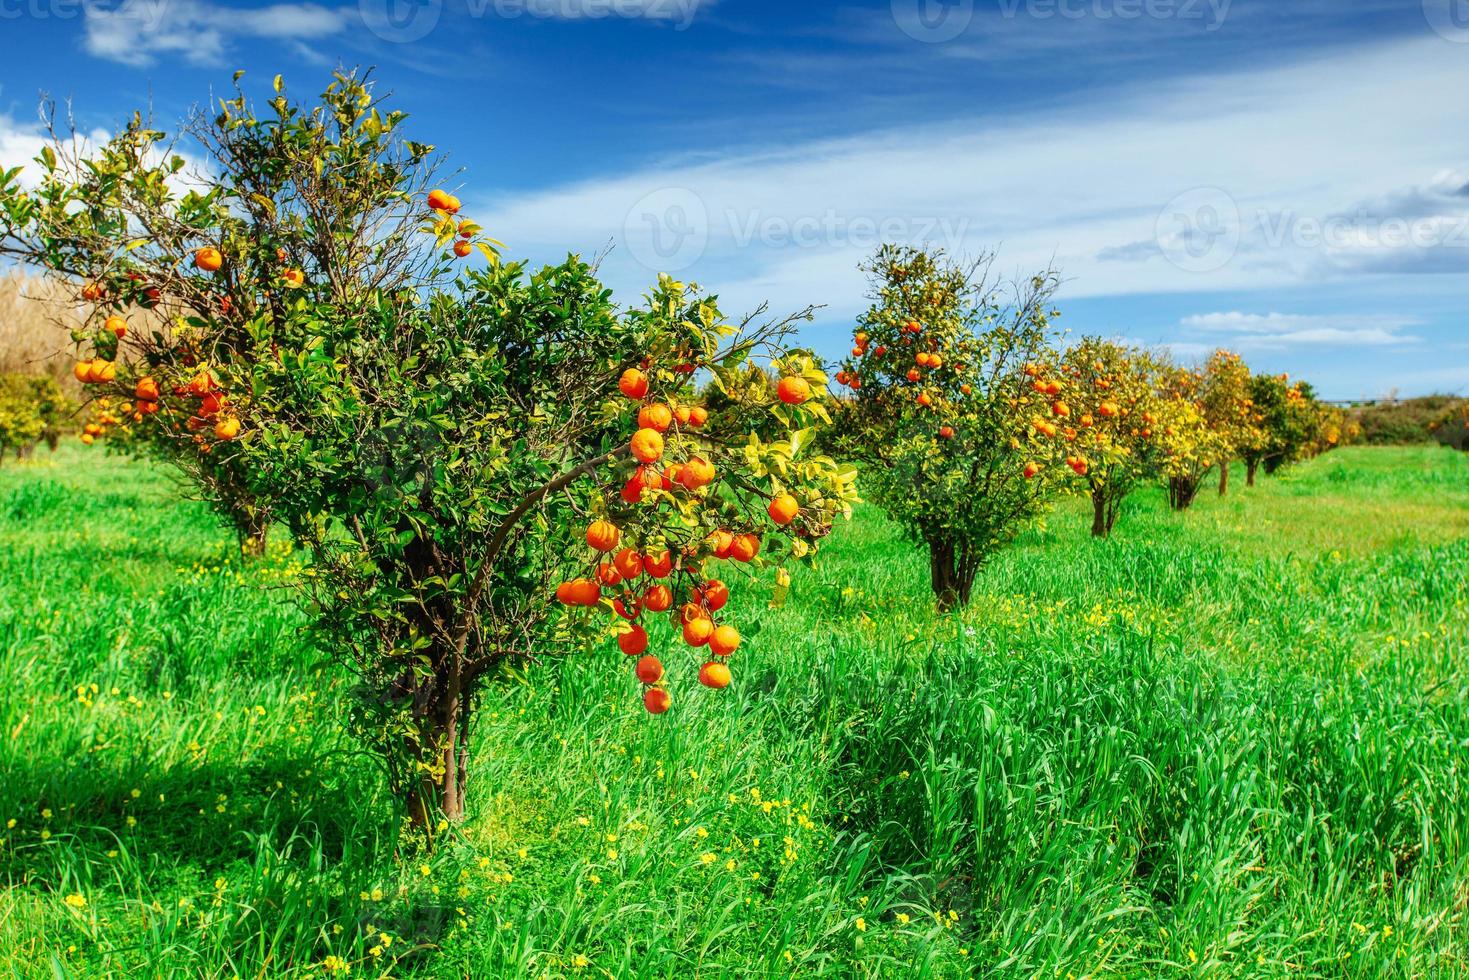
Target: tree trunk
[(1181, 492), (1251, 465), (1223, 477), (252, 527), (439, 788), (951, 572)]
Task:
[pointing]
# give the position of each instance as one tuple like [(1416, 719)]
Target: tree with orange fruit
[(958, 444), (1190, 444), (183, 268), (1225, 398), (454, 449), (1110, 415)]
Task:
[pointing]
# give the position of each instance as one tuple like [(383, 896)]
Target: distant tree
[(958, 448), (1190, 445), (1225, 400)]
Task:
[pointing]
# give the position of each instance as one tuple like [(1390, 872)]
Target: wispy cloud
[(1278, 331), (142, 32)]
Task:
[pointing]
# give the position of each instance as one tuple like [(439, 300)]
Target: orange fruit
[(724, 641), (656, 700), (783, 509), (913, 374), (146, 390), (439, 200), (924, 399), (1031, 469), (608, 575), (208, 259), (633, 383), (211, 404), (696, 632), (647, 445), (603, 535), (103, 372), (745, 547), (92, 292), (793, 390), (586, 592), (628, 606), (720, 542), (713, 594), (698, 416), (462, 248), (697, 473), (1061, 409), (656, 417), (946, 432), (116, 326), (714, 674), (658, 599), (629, 563), (226, 429), (633, 641), (87, 440), (658, 564), (649, 669), (82, 371)]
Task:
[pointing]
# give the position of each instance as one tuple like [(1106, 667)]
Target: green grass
[(1228, 743)]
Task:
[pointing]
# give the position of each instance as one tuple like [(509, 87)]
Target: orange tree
[(1225, 397), (1287, 420), (958, 445), (179, 248), (1190, 445), (1109, 411), (454, 454)]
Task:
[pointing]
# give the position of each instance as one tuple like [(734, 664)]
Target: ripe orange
[(696, 632), (649, 669), (211, 404), (629, 563), (715, 675), (681, 415), (658, 599), (87, 440), (1031, 469), (697, 473), (1108, 410), (935, 361), (603, 535), (633, 383), (439, 200), (634, 641), (913, 374), (82, 370), (103, 372), (647, 445), (698, 416), (745, 547), (566, 594), (146, 408), (656, 417), (724, 641), (658, 564), (721, 542), (208, 259), (226, 429), (925, 399), (462, 248), (628, 606), (714, 594), (146, 390), (946, 432), (116, 326), (922, 358), (1060, 409), (793, 390), (585, 592), (608, 575), (92, 292), (656, 700), (783, 509), (965, 389)]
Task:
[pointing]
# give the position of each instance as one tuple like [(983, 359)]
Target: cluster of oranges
[(926, 360), (635, 580)]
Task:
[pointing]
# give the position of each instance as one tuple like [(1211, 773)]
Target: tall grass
[(1233, 742), (35, 316)]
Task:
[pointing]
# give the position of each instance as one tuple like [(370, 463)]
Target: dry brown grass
[(36, 315)]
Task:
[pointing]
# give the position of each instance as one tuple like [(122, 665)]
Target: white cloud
[(1276, 331), (1075, 182), (140, 32), (679, 12)]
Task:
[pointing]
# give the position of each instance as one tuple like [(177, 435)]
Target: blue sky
[(1290, 179)]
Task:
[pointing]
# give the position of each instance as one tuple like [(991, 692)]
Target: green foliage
[(1405, 421), (1211, 745), (946, 447), (32, 408)]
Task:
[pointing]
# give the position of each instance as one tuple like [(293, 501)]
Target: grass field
[(1229, 743)]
